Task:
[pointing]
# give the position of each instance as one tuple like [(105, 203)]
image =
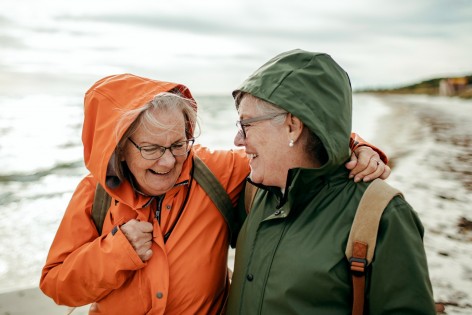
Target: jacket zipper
[(159, 208)]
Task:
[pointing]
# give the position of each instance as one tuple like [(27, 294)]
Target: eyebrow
[(146, 143)]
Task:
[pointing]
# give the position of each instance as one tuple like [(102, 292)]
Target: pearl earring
[(291, 143)]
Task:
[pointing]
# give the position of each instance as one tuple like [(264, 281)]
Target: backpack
[(203, 175), (363, 235)]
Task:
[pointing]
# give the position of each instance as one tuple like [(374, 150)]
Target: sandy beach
[(429, 142)]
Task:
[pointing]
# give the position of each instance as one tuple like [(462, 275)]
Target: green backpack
[(204, 176)]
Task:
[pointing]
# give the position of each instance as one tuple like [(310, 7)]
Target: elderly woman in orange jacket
[(164, 245)]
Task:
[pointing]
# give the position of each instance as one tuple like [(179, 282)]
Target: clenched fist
[(139, 234)]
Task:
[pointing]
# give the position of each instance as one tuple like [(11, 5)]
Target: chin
[(159, 190), (254, 179)]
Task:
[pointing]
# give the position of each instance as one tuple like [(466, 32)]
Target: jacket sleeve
[(356, 141), (399, 280), (82, 267)]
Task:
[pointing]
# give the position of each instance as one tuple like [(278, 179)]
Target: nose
[(239, 140), (168, 159)]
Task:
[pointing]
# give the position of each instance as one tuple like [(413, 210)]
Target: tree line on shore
[(445, 86)]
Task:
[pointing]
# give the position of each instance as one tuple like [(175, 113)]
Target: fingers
[(143, 250), (374, 170), (134, 224), (146, 256), (145, 227), (363, 159), (139, 235), (386, 172), (351, 164)]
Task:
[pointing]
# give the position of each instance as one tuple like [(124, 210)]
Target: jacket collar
[(302, 185)]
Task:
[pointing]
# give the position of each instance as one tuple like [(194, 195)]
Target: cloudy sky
[(212, 45)]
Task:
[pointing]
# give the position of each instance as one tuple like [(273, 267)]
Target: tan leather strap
[(366, 221), (249, 194), (363, 236)]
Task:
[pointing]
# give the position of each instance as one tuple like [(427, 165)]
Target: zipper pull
[(158, 208)]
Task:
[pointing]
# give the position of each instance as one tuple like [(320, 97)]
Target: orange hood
[(104, 104)]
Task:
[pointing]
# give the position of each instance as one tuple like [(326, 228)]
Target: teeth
[(158, 173), (252, 156)]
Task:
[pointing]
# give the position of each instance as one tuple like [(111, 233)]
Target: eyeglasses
[(155, 152), (242, 124)]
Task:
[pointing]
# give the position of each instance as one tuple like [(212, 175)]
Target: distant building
[(452, 86)]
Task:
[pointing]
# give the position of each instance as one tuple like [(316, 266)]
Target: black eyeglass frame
[(243, 123), (188, 142)]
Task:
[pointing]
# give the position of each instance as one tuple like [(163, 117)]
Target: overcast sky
[(213, 45)]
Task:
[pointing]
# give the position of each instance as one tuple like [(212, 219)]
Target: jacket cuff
[(356, 141), (120, 241)]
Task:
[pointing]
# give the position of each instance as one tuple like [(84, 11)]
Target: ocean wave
[(72, 167)]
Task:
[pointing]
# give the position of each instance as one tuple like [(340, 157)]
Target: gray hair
[(265, 108), (143, 117)]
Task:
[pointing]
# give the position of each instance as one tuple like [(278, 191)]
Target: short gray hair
[(264, 107)]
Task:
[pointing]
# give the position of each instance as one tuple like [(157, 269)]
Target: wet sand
[(32, 301), (429, 141)]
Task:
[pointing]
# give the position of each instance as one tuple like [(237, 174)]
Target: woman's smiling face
[(156, 177), (265, 144)]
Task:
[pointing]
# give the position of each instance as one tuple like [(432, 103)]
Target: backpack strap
[(202, 174), (101, 203), (212, 186), (363, 236), (249, 195)]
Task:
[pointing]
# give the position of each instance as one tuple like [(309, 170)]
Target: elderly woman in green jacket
[(295, 122)]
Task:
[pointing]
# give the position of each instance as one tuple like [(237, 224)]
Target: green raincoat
[(290, 252)]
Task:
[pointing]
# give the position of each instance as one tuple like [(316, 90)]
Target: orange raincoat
[(185, 275)]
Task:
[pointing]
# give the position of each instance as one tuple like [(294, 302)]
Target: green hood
[(314, 88)]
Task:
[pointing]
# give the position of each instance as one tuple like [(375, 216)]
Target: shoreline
[(429, 141)]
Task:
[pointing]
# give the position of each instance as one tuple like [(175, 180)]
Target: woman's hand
[(366, 165), (139, 235)]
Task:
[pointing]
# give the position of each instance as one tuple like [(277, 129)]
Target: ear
[(295, 127), (121, 154)]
